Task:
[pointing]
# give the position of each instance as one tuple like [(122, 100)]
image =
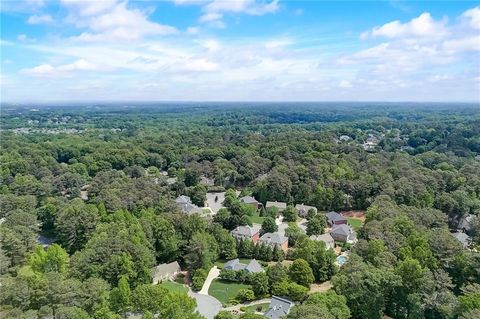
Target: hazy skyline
[(240, 50)]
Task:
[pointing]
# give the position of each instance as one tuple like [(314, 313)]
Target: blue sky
[(240, 50)]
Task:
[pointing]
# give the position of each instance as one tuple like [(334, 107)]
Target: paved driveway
[(215, 205), (207, 306), (212, 274)]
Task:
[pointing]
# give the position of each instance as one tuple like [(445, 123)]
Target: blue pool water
[(341, 260)]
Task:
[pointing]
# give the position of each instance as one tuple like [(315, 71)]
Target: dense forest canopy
[(101, 181)]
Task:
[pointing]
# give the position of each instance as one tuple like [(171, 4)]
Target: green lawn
[(174, 286), (264, 307), (221, 262), (225, 290), (256, 218), (355, 223)]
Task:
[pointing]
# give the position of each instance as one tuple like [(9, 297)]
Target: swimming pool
[(341, 259)]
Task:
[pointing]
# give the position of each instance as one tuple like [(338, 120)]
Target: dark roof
[(334, 216), (324, 237), (463, 238), (248, 200), (186, 206), (235, 264), (279, 205), (183, 200), (273, 238), (306, 208), (279, 307), (166, 269), (341, 230), (253, 266), (246, 230), (466, 222)]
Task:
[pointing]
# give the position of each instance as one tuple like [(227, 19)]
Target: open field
[(174, 286), (225, 290)]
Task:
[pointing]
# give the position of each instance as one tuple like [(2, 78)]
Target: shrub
[(199, 279), (245, 295)]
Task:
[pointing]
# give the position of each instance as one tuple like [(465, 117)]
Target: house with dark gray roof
[(281, 206), (165, 272), (275, 239), (279, 308), (334, 218), (252, 267), (303, 209), (184, 203), (247, 232), (326, 238), (344, 233), (466, 222), (463, 238)]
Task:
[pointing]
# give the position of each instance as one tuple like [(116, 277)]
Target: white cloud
[(40, 19), (278, 43), (472, 17), (110, 21), (287, 66), (215, 10), (421, 26), (47, 70), (193, 30), (469, 43), (344, 84), (22, 37), (211, 45)]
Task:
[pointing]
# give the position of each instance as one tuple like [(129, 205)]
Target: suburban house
[(463, 238), (344, 233), (334, 218), (281, 206), (303, 209), (252, 267), (279, 308), (166, 272), (326, 238), (250, 201), (247, 232), (466, 222), (184, 203), (275, 239)]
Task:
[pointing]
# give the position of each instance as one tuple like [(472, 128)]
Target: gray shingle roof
[(235, 264), (273, 238), (279, 307), (324, 237), (166, 269), (463, 238), (305, 208), (248, 200), (186, 206), (279, 205), (253, 266), (466, 222), (183, 200), (341, 230), (334, 216), (246, 230)]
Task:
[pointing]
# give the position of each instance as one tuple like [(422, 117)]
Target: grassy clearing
[(256, 218), (173, 286), (225, 290), (261, 307), (355, 223)]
